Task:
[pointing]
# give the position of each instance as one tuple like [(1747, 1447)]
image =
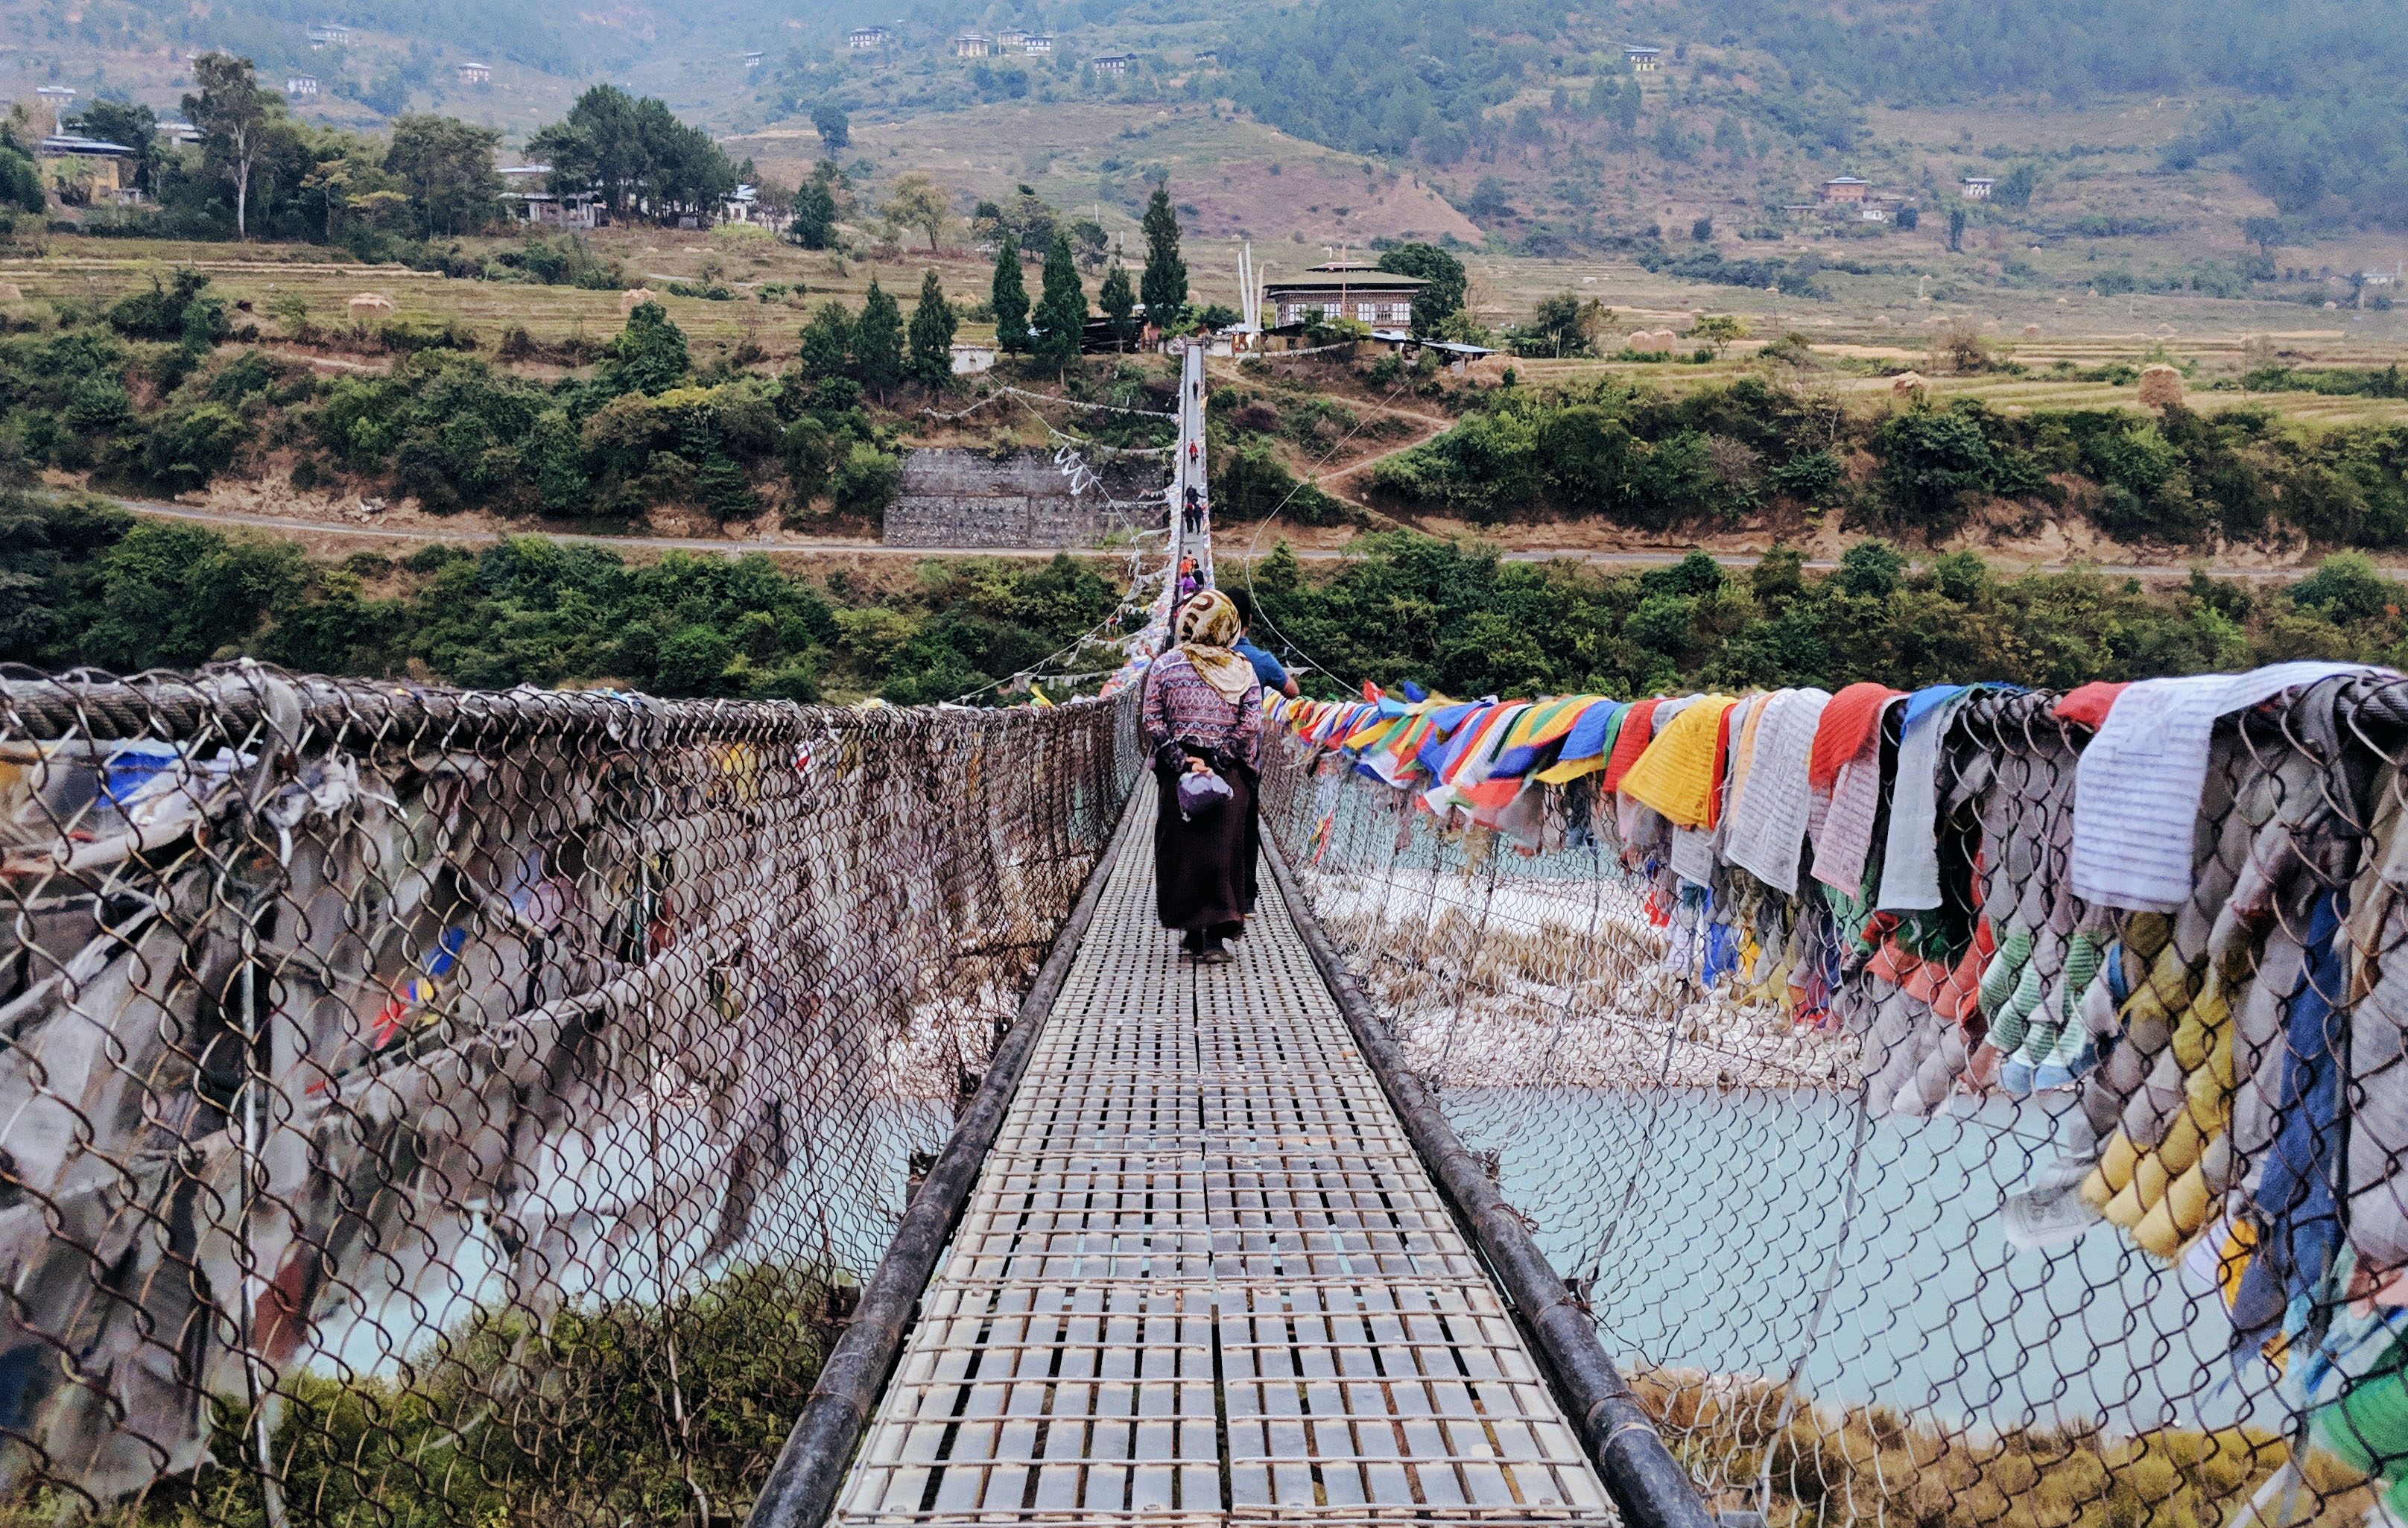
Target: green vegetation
[(1633, 456), (90, 584), (144, 395), (1455, 617)]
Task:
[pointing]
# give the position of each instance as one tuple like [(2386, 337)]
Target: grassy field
[(2213, 340)]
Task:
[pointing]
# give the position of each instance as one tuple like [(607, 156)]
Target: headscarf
[(1207, 626)]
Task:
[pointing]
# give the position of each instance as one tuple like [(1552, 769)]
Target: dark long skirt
[(1204, 870)]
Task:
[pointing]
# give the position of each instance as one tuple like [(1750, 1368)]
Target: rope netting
[(429, 1106), (1928, 1147)]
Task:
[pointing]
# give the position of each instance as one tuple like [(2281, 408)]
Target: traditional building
[(329, 34), (297, 86), (1037, 44), (1343, 292), (756, 58), (1977, 187), (1009, 39), (1643, 60), (1114, 63), (58, 98), (973, 45), (475, 74), (1845, 188), (862, 37), (87, 171)]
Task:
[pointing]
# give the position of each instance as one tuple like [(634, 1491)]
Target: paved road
[(724, 547)]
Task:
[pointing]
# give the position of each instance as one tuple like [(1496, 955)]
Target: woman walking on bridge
[(1203, 716)]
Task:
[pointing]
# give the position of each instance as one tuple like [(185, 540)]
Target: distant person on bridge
[(1195, 511), (1204, 712), (1269, 670)]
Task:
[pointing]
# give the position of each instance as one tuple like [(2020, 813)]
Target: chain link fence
[(2018, 1210), (421, 1107)]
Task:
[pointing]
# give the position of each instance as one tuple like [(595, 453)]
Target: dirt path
[(1231, 551)]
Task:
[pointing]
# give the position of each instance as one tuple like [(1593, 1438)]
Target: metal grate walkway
[(1204, 1278)]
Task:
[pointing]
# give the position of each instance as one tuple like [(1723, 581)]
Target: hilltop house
[(1977, 187), (972, 45), (300, 85), (1844, 188), (1643, 60), (867, 36), (1009, 39), (475, 74), (1114, 63), (756, 58), (1351, 292), (1037, 44), (531, 197), (58, 98), (329, 34)]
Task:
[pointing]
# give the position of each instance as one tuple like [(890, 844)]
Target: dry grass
[(1872, 1465)]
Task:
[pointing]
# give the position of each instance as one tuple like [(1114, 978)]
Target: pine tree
[(878, 340), (827, 342), (1062, 308), (1118, 302), (1164, 285), (1010, 298), (932, 334)]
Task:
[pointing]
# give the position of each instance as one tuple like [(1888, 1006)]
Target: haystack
[(634, 298), (1906, 384), (370, 305), (11, 293), (2161, 385), (1640, 340), (2031, 330), (1663, 339)]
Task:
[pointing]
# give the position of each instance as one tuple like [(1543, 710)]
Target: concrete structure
[(1977, 187), (59, 98), (867, 36), (970, 359), (1359, 292), (952, 497), (973, 45), (475, 74), (1643, 60)]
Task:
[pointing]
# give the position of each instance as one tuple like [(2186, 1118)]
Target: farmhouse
[(1643, 60), (1845, 188), (867, 36), (1349, 292)]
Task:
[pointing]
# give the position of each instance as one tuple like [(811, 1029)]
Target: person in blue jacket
[(1269, 670)]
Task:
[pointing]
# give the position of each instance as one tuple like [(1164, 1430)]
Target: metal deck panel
[(1204, 1280)]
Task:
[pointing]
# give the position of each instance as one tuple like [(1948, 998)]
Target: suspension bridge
[(450, 1107)]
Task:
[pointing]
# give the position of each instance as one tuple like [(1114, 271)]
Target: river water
[(1715, 1220)]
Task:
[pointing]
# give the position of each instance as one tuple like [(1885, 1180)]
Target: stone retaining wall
[(957, 497)]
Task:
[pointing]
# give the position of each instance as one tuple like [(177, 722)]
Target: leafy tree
[(2265, 233), (1061, 307), (21, 181), (1163, 285), (649, 355), (834, 128), (1564, 325), (2014, 190), (233, 116), (878, 340), (447, 167), (136, 127), (1117, 302), (814, 222), (1930, 460), (918, 202), (1702, 231), (634, 153), (933, 325), (1089, 241), (1718, 330), (1444, 282), (1009, 298), (828, 343)]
